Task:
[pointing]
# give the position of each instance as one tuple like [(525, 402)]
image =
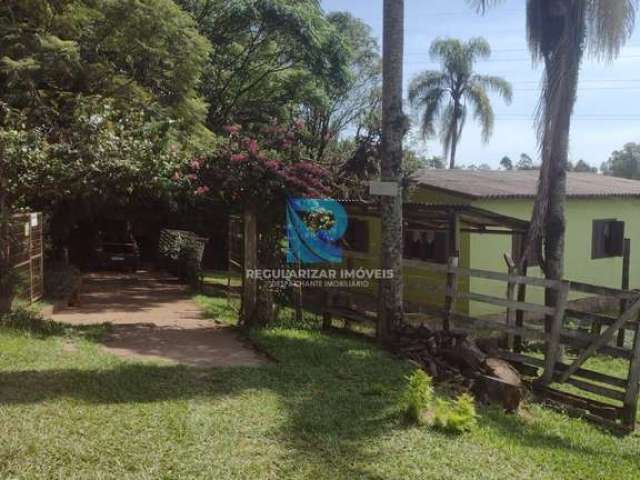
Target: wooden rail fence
[(527, 320)]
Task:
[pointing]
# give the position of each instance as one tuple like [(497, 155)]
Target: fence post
[(326, 315), (511, 291), (630, 408), (552, 349), (626, 264), (249, 282), (522, 297), (451, 293)]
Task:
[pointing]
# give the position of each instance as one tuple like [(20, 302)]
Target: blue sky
[(606, 115)]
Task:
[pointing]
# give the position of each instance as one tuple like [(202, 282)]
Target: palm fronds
[(442, 96)]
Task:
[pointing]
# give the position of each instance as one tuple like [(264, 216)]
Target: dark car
[(119, 253)]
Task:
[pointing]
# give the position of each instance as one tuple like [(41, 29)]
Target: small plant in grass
[(458, 416), (418, 396), (29, 320)]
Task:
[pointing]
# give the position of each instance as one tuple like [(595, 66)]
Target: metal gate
[(26, 247)]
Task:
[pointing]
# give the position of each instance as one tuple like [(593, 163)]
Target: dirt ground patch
[(154, 317)]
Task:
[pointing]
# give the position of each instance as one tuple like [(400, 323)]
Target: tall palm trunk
[(390, 308), (562, 65), (455, 134)]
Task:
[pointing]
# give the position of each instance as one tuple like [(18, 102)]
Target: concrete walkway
[(154, 317)]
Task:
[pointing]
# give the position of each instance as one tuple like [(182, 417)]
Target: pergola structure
[(452, 218)]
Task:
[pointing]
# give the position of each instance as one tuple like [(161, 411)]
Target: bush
[(190, 264), (418, 396), (29, 320), (61, 280), (458, 416), (9, 281), (180, 252)]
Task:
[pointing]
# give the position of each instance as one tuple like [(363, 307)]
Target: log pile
[(448, 354)]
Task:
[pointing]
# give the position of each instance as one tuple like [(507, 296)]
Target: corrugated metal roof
[(522, 184)]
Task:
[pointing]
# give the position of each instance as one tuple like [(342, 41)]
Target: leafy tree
[(458, 85), (268, 58), (435, 163), (349, 103), (624, 163), (106, 96), (506, 163), (60, 55), (581, 166), (255, 171), (482, 166), (525, 163)]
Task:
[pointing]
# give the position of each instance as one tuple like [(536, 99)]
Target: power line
[(509, 50), (508, 60)]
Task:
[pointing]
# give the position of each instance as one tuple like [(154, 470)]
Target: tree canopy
[(624, 163), (104, 100), (268, 57)]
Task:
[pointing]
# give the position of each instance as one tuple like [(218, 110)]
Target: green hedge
[(180, 252)]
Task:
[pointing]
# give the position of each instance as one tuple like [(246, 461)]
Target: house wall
[(487, 251), (420, 285)]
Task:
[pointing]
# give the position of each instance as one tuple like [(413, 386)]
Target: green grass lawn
[(328, 408)]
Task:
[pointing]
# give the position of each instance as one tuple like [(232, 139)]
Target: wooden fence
[(598, 395), (26, 247)]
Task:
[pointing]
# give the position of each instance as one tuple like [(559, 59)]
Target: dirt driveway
[(154, 317)]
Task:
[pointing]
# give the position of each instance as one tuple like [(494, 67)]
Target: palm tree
[(445, 94), (560, 32), (394, 126)]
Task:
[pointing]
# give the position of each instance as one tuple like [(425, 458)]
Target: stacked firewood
[(446, 355)]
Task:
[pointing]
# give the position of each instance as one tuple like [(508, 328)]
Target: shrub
[(190, 265), (458, 416), (418, 396), (180, 252), (28, 320), (9, 281), (61, 280)]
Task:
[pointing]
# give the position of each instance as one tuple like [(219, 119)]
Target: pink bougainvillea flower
[(201, 190), (238, 157), (195, 164), (252, 146), (232, 129), (272, 164), (191, 177)]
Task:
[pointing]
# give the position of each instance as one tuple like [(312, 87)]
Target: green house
[(492, 209)]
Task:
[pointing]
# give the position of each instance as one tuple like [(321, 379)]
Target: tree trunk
[(390, 309), (454, 141), (562, 70), (250, 264), (7, 286)]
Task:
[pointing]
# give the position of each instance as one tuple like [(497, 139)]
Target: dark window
[(426, 245), (516, 251), (608, 239), (357, 237)]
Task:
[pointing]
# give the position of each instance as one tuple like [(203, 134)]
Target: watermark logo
[(314, 228)]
